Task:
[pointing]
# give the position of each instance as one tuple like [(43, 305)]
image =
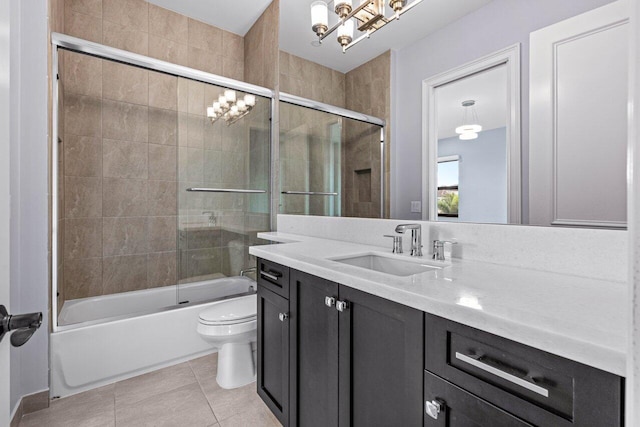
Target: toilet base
[(236, 366)]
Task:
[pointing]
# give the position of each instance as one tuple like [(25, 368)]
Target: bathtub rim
[(88, 323)]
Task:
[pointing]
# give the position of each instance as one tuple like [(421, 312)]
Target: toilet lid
[(236, 310)]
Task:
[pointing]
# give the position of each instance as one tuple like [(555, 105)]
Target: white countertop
[(578, 318)]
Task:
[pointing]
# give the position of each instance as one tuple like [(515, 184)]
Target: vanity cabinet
[(470, 373), (354, 359), (273, 340)]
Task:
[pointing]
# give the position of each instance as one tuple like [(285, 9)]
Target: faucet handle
[(397, 243), (443, 242)]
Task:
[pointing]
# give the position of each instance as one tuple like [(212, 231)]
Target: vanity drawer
[(274, 277), (539, 387)]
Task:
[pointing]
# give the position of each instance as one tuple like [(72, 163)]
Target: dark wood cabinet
[(273, 353), (360, 366)]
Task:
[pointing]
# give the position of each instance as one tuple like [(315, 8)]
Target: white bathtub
[(89, 355)]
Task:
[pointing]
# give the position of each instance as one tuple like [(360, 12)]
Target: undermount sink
[(385, 264)]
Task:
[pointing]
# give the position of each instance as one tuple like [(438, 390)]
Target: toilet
[(230, 326)]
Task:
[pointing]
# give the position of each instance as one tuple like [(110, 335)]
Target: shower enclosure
[(162, 179), (156, 201)]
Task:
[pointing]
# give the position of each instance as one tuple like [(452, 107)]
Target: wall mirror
[(472, 141)]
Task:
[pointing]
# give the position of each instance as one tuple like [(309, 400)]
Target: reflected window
[(448, 180)]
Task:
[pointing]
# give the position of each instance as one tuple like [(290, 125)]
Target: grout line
[(203, 393)]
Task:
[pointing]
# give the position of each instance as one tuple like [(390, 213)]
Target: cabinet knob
[(329, 301), (342, 306), (283, 316), (433, 408)]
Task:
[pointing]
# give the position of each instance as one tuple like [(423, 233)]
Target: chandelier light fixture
[(230, 107), (470, 127), (369, 17)]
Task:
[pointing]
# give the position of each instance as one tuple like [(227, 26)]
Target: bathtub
[(98, 352)]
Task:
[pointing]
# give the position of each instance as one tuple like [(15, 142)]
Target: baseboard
[(28, 404)]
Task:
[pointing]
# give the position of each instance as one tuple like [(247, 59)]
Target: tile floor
[(182, 395)]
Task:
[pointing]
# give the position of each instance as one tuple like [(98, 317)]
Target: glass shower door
[(223, 188)]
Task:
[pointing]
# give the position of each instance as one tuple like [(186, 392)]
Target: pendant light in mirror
[(470, 127)]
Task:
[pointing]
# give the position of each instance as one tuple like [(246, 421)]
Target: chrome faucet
[(416, 237), (438, 249)]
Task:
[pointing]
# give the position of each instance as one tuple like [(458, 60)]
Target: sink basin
[(384, 264)]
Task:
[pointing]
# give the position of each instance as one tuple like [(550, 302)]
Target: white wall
[(482, 173), (29, 191), (495, 26)]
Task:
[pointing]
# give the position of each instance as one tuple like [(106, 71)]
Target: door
[(314, 351), (578, 120), (5, 114), (273, 353), (381, 361), (449, 406)]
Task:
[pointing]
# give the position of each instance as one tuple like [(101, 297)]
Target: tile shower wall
[(367, 91), (307, 79), (119, 150), (261, 49)]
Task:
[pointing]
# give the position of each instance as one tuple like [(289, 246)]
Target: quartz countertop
[(578, 318)]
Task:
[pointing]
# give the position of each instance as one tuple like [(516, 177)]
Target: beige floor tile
[(227, 403), (93, 408), (254, 416), (154, 383), (205, 367), (185, 406)]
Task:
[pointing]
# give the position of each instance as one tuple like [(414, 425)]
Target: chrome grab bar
[(225, 190), (502, 374), (310, 193)]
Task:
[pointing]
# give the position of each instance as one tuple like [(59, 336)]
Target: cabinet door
[(314, 351), (381, 356), (458, 408), (273, 353)]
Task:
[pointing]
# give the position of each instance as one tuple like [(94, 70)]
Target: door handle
[(283, 316), (23, 325)]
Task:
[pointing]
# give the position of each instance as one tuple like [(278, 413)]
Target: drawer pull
[(271, 276), (329, 301), (283, 316), (342, 306), (504, 375)]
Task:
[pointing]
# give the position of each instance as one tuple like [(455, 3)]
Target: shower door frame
[(78, 45)]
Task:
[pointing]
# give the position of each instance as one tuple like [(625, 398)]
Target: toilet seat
[(230, 312)]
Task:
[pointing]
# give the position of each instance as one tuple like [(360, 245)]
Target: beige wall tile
[(81, 74), (125, 83), (213, 135), (124, 197), (204, 60), (162, 198), (129, 13), (82, 238), (195, 131), (83, 197), (284, 63), (126, 38), (162, 233), (82, 278), (232, 69), (168, 24), (82, 115), (196, 98), (191, 161), (167, 50), (183, 95), (162, 269), (232, 46), (83, 155), (124, 236), (125, 122), (163, 126), (204, 36), (124, 273), (233, 168), (123, 159), (201, 262), (83, 26), (212, 167), (163, 91), (88, 7), (162, 162)]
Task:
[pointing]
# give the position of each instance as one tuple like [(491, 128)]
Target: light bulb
[(319, 17), (241, 105), (216, 107), (211, 112), (468, 128), (223, 101), (230, 95), (468, 136), (345, 33), (250, 100)]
